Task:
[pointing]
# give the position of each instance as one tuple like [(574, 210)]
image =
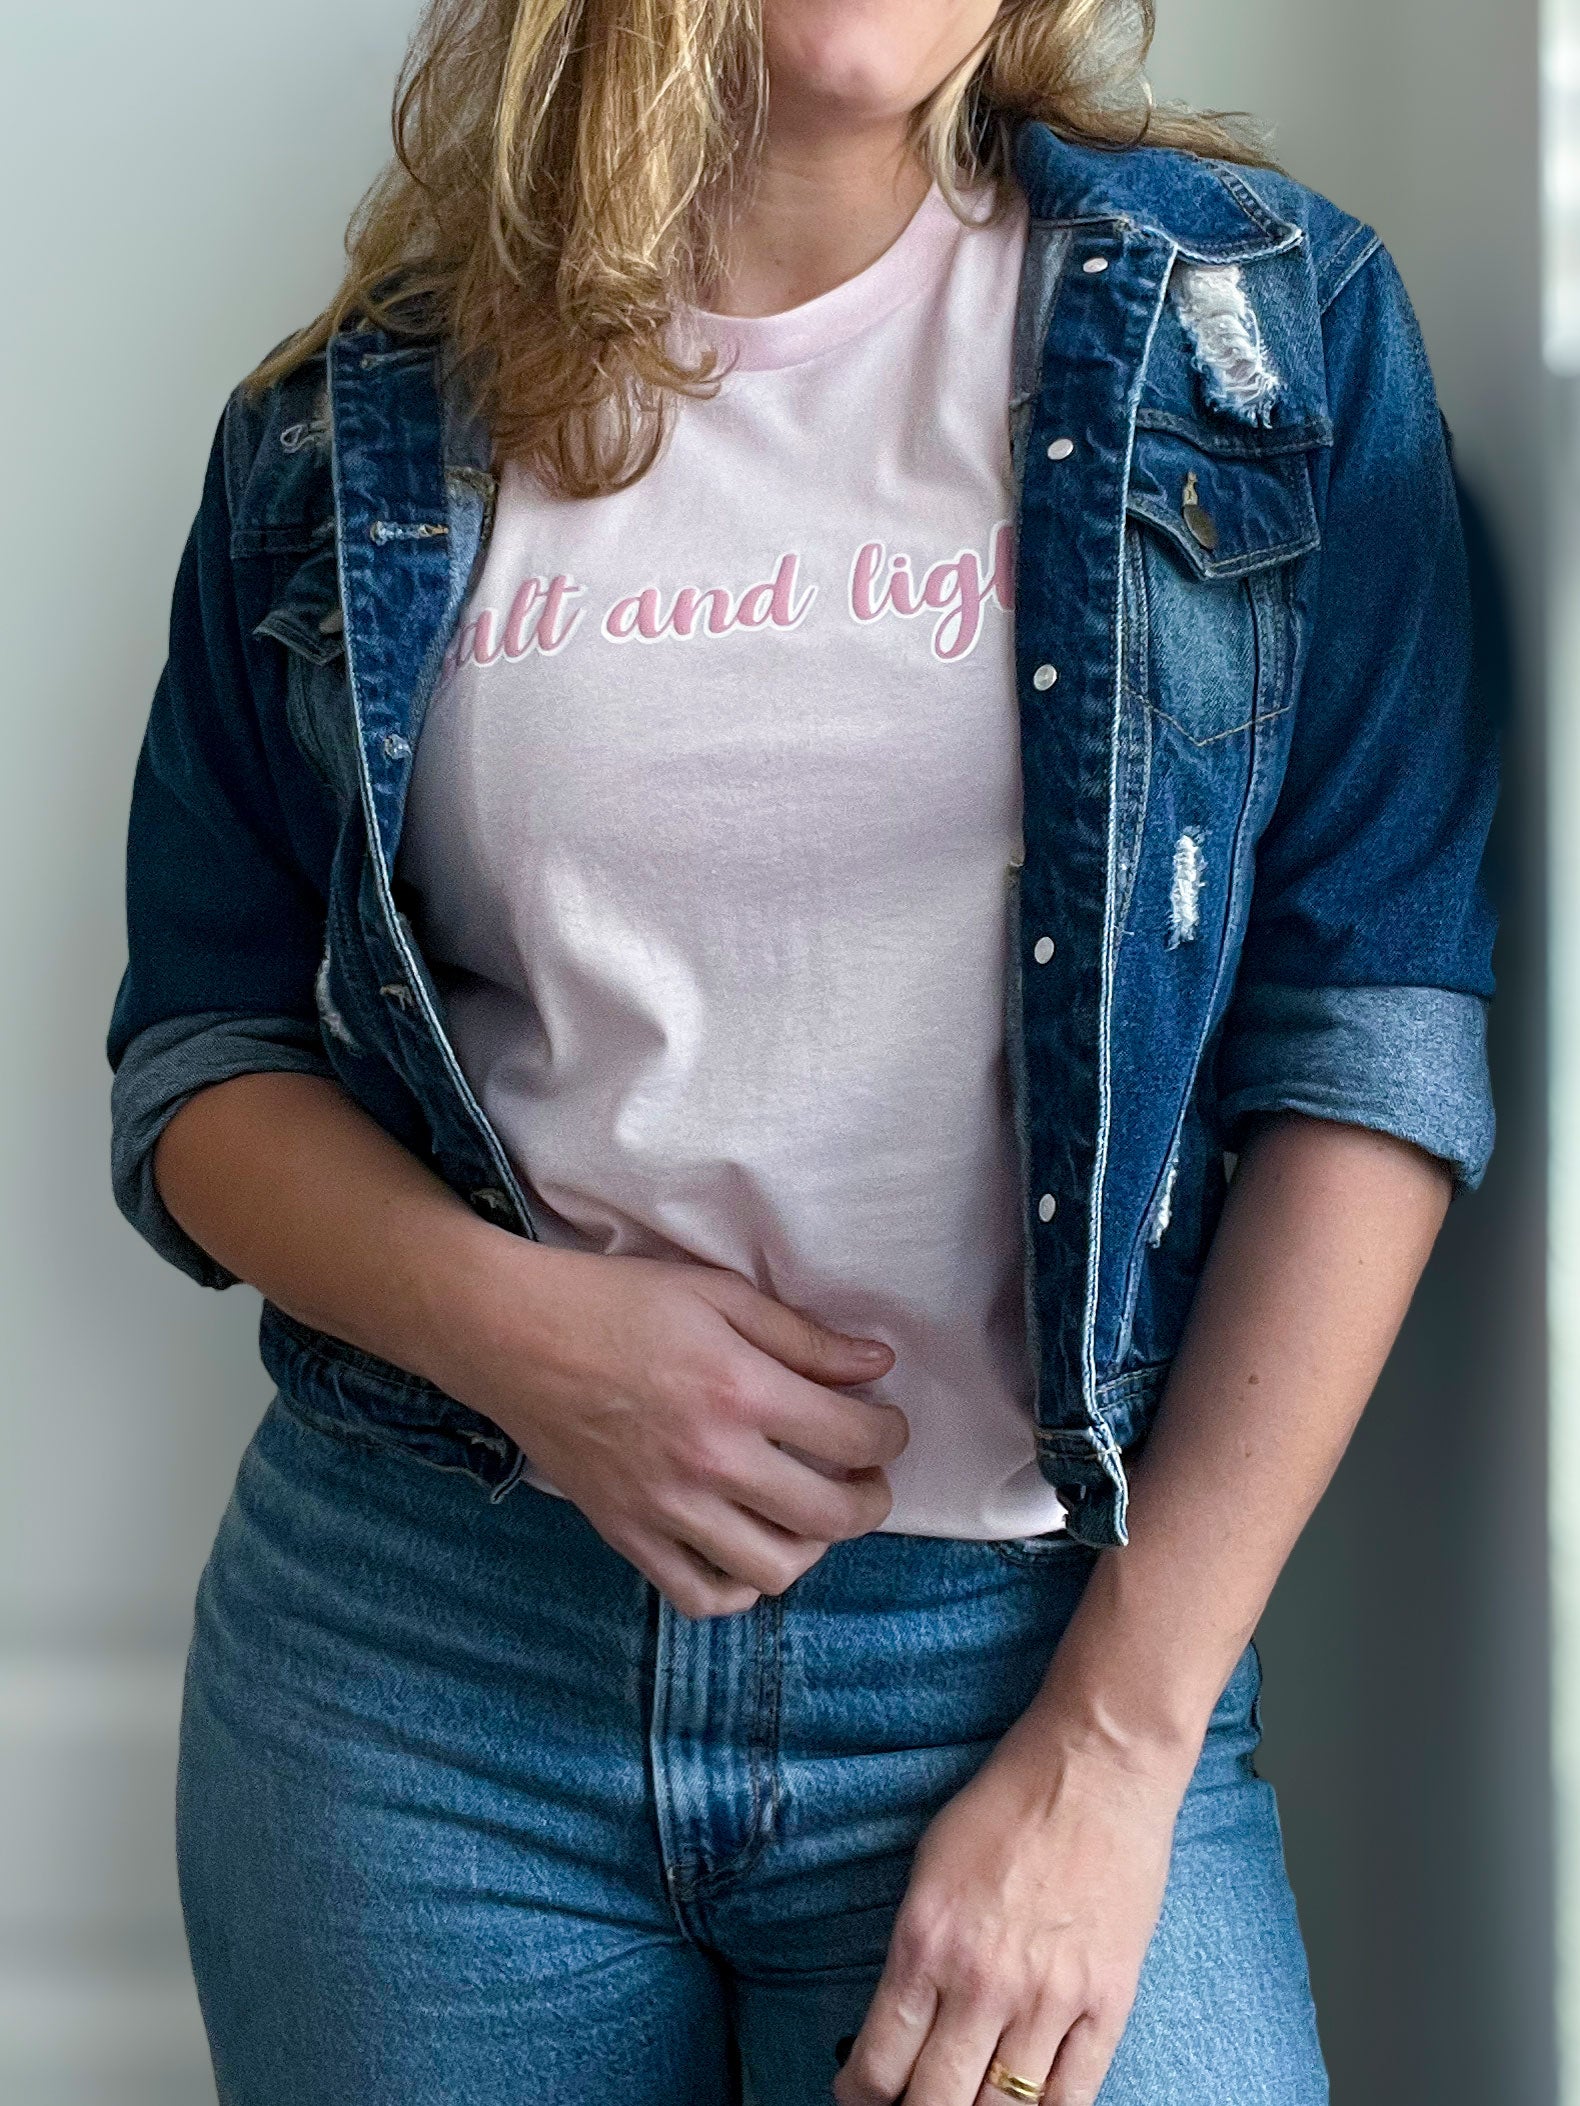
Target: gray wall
[(1406, 1649), (178, 175)]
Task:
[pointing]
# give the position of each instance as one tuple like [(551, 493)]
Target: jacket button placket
[(1067, 645), (392, 500)]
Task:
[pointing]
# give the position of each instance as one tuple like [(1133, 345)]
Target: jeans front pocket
[(357, 1398)]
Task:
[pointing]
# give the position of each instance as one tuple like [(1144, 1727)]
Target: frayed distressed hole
[(1165, 1212), (296, 438), (1227, 346), (334, 1023), (1185, 888)]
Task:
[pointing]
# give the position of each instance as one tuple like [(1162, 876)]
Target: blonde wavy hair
[(563, 170)]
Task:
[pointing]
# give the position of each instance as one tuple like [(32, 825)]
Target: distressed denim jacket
[(1256, 781)]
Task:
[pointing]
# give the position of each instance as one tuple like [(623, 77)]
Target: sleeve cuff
[(1408, 1061), (162, 1067)]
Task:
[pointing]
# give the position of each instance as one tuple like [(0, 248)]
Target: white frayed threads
[(297, 437), (334, 1023), (1190, 874), (1226, 337), (312, 431), (1165, 1212)]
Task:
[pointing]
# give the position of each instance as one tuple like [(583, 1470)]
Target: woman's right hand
[(674, 1403)]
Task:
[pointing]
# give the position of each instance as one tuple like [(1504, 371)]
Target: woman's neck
[(824, 204)]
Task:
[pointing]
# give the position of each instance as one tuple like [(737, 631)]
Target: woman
[(824, 693)]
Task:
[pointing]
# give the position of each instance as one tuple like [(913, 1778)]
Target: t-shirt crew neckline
[(908, 269)]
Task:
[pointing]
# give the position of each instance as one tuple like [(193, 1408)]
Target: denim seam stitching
[(704, 1882), (1234, 730), (1369, 249), (369, 1439)]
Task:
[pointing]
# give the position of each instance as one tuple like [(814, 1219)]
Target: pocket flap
[(1227, 514), (279, 477), (306, 617)]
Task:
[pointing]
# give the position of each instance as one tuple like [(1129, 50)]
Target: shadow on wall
[(1404, 1666)]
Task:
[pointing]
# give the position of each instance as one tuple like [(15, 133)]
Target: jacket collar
[(1206, 209)]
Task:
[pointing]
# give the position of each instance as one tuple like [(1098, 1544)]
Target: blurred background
[(178, 174)]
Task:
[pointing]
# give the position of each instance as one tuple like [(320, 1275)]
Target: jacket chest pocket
[(1209, 619), (306, 620)]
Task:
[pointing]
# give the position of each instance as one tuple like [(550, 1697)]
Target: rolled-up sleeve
[(224, 926), (1366, 970)]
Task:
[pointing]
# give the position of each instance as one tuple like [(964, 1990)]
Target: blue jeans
[(467, 1816)]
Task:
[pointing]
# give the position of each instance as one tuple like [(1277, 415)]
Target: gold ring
[(1006, 2081)]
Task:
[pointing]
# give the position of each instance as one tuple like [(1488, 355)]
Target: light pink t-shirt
[(710, 828)]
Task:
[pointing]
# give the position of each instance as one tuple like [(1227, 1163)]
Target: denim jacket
[(1257, 783)]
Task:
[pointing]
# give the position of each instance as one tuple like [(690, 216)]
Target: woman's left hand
[(1032, 1899)]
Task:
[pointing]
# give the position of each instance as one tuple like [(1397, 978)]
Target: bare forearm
[(670, 1401), (1323, 1239), (295, 1189)]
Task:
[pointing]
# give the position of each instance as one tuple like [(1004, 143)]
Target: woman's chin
[(846, 99)]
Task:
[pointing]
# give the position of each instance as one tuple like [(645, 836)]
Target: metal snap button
[(1061, 449), (1094, 265), (1043, 949), (1047, 1207), (1044, 677)]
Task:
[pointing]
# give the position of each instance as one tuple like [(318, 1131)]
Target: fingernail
[(870, 1349), (842, 2048)]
